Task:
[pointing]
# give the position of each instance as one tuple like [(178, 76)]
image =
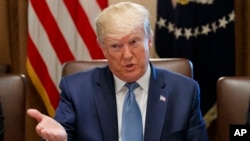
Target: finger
[(35, 114)]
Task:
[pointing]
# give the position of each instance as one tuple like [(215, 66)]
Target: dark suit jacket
[(87, 108)]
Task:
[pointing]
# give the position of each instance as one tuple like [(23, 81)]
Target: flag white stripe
[(43, 45), (91, 9), (68, 29)]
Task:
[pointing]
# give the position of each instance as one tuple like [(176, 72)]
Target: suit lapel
[(156, 106), (106, 104)]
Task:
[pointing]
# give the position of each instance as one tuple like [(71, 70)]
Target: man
[(92, 103)]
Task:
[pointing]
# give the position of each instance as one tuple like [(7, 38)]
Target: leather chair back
[(179, 65), (4, 68), (12, 98), (233, 95)]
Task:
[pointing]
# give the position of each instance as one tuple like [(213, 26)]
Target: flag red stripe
[(42, 72), (55, 36), (102, 3), (82, 24)]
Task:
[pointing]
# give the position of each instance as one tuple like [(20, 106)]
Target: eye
[(115, 47), (133, 43)]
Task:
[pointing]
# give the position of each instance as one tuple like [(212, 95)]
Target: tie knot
[(131, 86)]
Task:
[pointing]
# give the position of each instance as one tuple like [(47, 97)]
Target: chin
[(131, 78)]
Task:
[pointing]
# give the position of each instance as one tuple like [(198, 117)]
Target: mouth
[(130, 67)]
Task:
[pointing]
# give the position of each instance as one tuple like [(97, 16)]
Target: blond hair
[(121, 19)]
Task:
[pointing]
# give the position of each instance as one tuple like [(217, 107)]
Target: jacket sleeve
[(197, 127)]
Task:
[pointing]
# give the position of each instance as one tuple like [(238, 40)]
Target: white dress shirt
[(141, 94)]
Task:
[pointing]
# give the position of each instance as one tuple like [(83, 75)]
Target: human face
[(128, 57)]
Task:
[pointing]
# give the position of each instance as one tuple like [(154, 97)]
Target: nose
[(127, 54)]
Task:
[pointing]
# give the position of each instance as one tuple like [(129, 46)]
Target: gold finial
[(182, 2)]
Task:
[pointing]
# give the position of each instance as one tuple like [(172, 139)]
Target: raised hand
[(47, 128)]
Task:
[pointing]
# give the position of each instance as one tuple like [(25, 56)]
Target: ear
[(150, 42)]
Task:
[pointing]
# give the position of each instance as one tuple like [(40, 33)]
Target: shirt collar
[(143, 81)]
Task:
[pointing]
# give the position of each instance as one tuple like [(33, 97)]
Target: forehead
[(127, 37), (126, 34)]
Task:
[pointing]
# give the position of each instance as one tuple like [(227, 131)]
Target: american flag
[(59, 31), (162, 98)]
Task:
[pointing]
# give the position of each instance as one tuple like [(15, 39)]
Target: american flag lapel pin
[(162, 98)]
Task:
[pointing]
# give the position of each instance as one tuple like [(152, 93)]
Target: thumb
[(35, 114)]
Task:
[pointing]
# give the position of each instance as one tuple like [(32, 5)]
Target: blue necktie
[(131, 116)]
